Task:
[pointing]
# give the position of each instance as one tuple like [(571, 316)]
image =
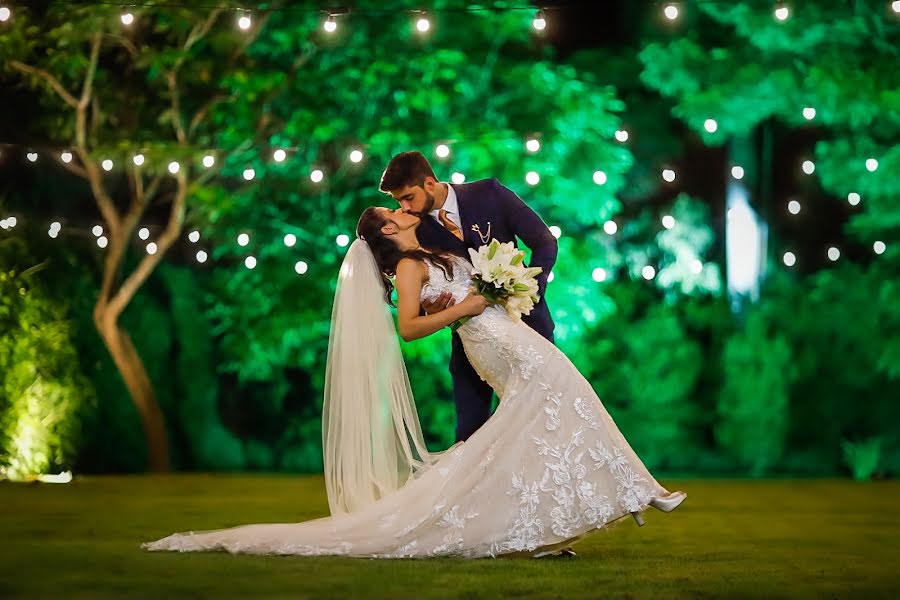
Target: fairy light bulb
[(540, 21), (671, 12), (209, 160), (279, 155), (330, 25), (107, 165), (244, 22), (127, 19)]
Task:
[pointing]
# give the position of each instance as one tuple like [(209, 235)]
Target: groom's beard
[(429, 206)]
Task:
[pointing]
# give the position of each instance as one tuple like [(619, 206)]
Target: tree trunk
[(139, 386)]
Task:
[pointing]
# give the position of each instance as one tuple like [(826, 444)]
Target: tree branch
[(172, 80), (50, 79), (148, 263)]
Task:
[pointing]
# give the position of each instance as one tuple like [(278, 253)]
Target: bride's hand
[(474, 304)]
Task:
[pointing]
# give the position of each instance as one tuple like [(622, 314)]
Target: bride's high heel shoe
[(669, 502), (638, 519)]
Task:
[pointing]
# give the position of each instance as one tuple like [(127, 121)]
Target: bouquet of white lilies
[(501, 276)]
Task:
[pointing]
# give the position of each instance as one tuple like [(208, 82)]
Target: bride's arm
[(410, 276)]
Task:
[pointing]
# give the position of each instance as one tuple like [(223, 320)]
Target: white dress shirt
[(451, 205)]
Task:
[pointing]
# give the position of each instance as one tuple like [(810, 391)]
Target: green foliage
[(752, 410), (644, 366), (43, 393), (862, 457)]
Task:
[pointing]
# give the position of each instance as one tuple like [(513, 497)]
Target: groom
[(456, 217)]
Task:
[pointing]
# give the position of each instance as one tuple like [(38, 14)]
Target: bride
[(547, 468)]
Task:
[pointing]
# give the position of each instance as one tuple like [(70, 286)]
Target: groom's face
[(417, 200)]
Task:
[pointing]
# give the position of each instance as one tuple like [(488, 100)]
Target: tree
[(104, 93)]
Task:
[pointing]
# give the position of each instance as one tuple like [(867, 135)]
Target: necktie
[(450, 225)]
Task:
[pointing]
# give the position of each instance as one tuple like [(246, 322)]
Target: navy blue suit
[(488, 203)]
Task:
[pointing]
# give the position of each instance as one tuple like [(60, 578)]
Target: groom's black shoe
[(563, 553)]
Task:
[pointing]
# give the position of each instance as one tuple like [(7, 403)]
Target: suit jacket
[(495, 208)]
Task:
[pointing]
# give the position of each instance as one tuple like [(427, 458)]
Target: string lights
[(540, 21)]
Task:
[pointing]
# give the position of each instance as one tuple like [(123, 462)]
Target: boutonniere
[(484, 236)]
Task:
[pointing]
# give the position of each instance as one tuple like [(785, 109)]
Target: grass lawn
[(731, 539)]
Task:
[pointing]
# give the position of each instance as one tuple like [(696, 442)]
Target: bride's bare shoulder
[(412, 269)]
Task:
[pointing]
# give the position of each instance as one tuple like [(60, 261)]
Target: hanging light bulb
[(532, 145), (710, 125), (622, 135), (809, 113), (209, 160), (342, 240), (458, 178), (301, 267), (174, 167), (102, 241), (794, 207), (737, 172), (809, 167), (250, 262), (555, 231), (600, 177), (144, 233), (598, 274), (610, 227), (356, 156), (895, 6), (782, 12), (871, 165), (668, 175), (696, 267), (671, 12), (66, 157), (330, 25), (127, 19), (32, 156), (97, 230), (5, 14), (442, 150), (879, 247), (151, 248), (249, 174), (423, 24), (648, 272), (833, 254), (853, 198), (290, 240), (539, 22), (317, 175), (243, 239), (201, 256), (194, 236), (244, 22), (138, 159), (668, 221), (532, 178), (107, 165), (279, 155), (789, 259)]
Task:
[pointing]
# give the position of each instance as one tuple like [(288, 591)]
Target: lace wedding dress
[(548, 467)]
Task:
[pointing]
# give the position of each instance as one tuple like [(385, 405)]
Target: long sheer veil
[(371, 436)]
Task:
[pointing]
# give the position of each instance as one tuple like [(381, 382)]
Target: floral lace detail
[(584, 411), (552, 410), (527, 532), (454, 523), (577, 503), (631, 495)]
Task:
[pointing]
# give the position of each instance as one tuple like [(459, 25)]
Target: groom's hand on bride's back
[(440, 303)]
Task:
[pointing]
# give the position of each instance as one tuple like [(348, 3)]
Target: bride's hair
[(388, 254)]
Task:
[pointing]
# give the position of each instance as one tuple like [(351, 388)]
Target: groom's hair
[(407, 168)]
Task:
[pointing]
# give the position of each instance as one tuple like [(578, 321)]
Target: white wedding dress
[(548, 467)]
